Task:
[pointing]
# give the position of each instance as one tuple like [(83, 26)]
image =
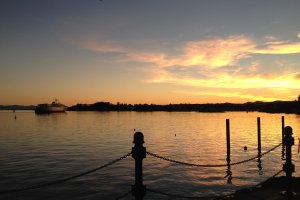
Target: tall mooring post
[(259, 145), (228, 140), (288, 166), (228, 171), (282, 136), (138, 153), (258, 136)]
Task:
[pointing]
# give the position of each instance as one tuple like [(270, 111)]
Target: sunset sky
[(149, 51)]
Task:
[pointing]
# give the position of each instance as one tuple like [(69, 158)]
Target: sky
[(141, 51)]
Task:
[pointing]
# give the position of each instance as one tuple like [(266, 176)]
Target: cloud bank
[(215, 63)]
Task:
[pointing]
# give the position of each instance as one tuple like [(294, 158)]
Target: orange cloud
[(207, 57), (239, 95), (156, 58), (212, 53), (217, 52), (278, 42), (279, 48), (227, 81)]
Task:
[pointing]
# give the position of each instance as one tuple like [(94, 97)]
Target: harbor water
[(37, 149)]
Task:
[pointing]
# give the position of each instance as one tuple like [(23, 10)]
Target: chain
[(124, 195), (211, 197), (253, 158), (180, 162), (251, 189), (271, 149), (220, 165), (65, 179), (261, 183), (176, 195)]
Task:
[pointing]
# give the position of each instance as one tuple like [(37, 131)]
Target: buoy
[(134, 129), (245, 148), (15, 117), (175, 134)]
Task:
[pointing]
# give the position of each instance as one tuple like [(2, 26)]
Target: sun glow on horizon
[(120, 52)]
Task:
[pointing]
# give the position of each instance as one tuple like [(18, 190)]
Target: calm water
[(41, 148)]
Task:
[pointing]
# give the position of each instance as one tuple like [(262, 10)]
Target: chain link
[(261, 183), (65, 179), (180, 162), (212, 197), (176, 195), (124, 195), (220, 165)]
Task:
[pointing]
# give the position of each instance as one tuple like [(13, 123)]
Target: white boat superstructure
[(55, 106)]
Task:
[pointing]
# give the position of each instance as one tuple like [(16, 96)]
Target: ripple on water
[(37, 149)]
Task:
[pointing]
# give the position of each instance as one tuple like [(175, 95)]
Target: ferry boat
[(46, 108)]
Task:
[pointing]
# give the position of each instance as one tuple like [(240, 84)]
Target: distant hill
[(16, 107)]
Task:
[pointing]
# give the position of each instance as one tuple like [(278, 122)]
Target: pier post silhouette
[(282, 136), (138, 153), (288, 166), (259, 145), (228, 140), (258, 136), (228, 171)]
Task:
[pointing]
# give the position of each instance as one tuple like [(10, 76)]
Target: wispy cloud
[(101, 47), (211, 58), (277, 42), (239, 95), (216, 52), (212, 53), (270, 37), (227, 81), (280, 48)]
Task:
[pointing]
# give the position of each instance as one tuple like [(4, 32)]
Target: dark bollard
[(228, 140), (138, 153), (288, 167)]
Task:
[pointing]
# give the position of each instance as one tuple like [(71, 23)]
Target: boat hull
[(49, 108)]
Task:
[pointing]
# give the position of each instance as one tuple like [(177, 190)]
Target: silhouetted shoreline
[(17, 107), (269, 107)]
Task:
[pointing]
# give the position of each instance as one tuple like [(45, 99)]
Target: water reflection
[(259, 165), (228, 174), (54, 145)]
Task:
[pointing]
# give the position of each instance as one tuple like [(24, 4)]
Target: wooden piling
[(282, 128), (258, 135), (228, 140)]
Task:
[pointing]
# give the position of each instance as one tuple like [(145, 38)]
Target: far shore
[(292, 107)]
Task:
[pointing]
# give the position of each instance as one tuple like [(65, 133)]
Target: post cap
[(288, 131), (138, 138)]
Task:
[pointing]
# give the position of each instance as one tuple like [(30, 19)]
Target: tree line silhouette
[(270, 107)]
